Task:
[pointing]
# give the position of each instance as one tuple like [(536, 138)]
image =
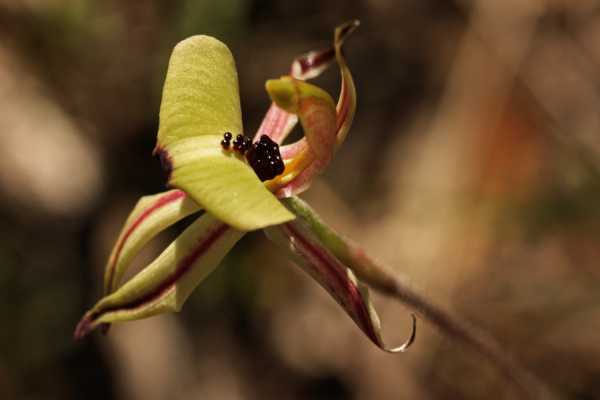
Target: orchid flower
[(229, 189)]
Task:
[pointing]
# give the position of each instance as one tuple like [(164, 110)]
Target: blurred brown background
[(473, 167)]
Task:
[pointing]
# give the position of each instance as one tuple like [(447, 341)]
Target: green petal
[(201, 94), (150, 216), (168, 281), (223, 184)]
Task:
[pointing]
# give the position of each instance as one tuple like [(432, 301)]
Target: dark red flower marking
[(160, 202), (87, 323), (265, 159), (331, 274), (165, 161)]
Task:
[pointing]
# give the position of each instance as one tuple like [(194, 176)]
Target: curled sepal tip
[(334, 123), (413, 334), (167, 282), (278, 123), (337, 279)]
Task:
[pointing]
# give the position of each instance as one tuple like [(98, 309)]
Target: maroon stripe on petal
[(182, 268), (87, 323), (161, 202), (335, 279)]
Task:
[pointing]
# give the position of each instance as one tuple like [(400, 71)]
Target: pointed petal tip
[(84, 327), (406, 345), (346, 29), (350, 25)]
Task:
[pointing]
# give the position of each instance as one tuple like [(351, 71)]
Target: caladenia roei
[(237, 185)]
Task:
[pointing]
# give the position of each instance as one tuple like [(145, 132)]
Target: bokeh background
[(473, 168)]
